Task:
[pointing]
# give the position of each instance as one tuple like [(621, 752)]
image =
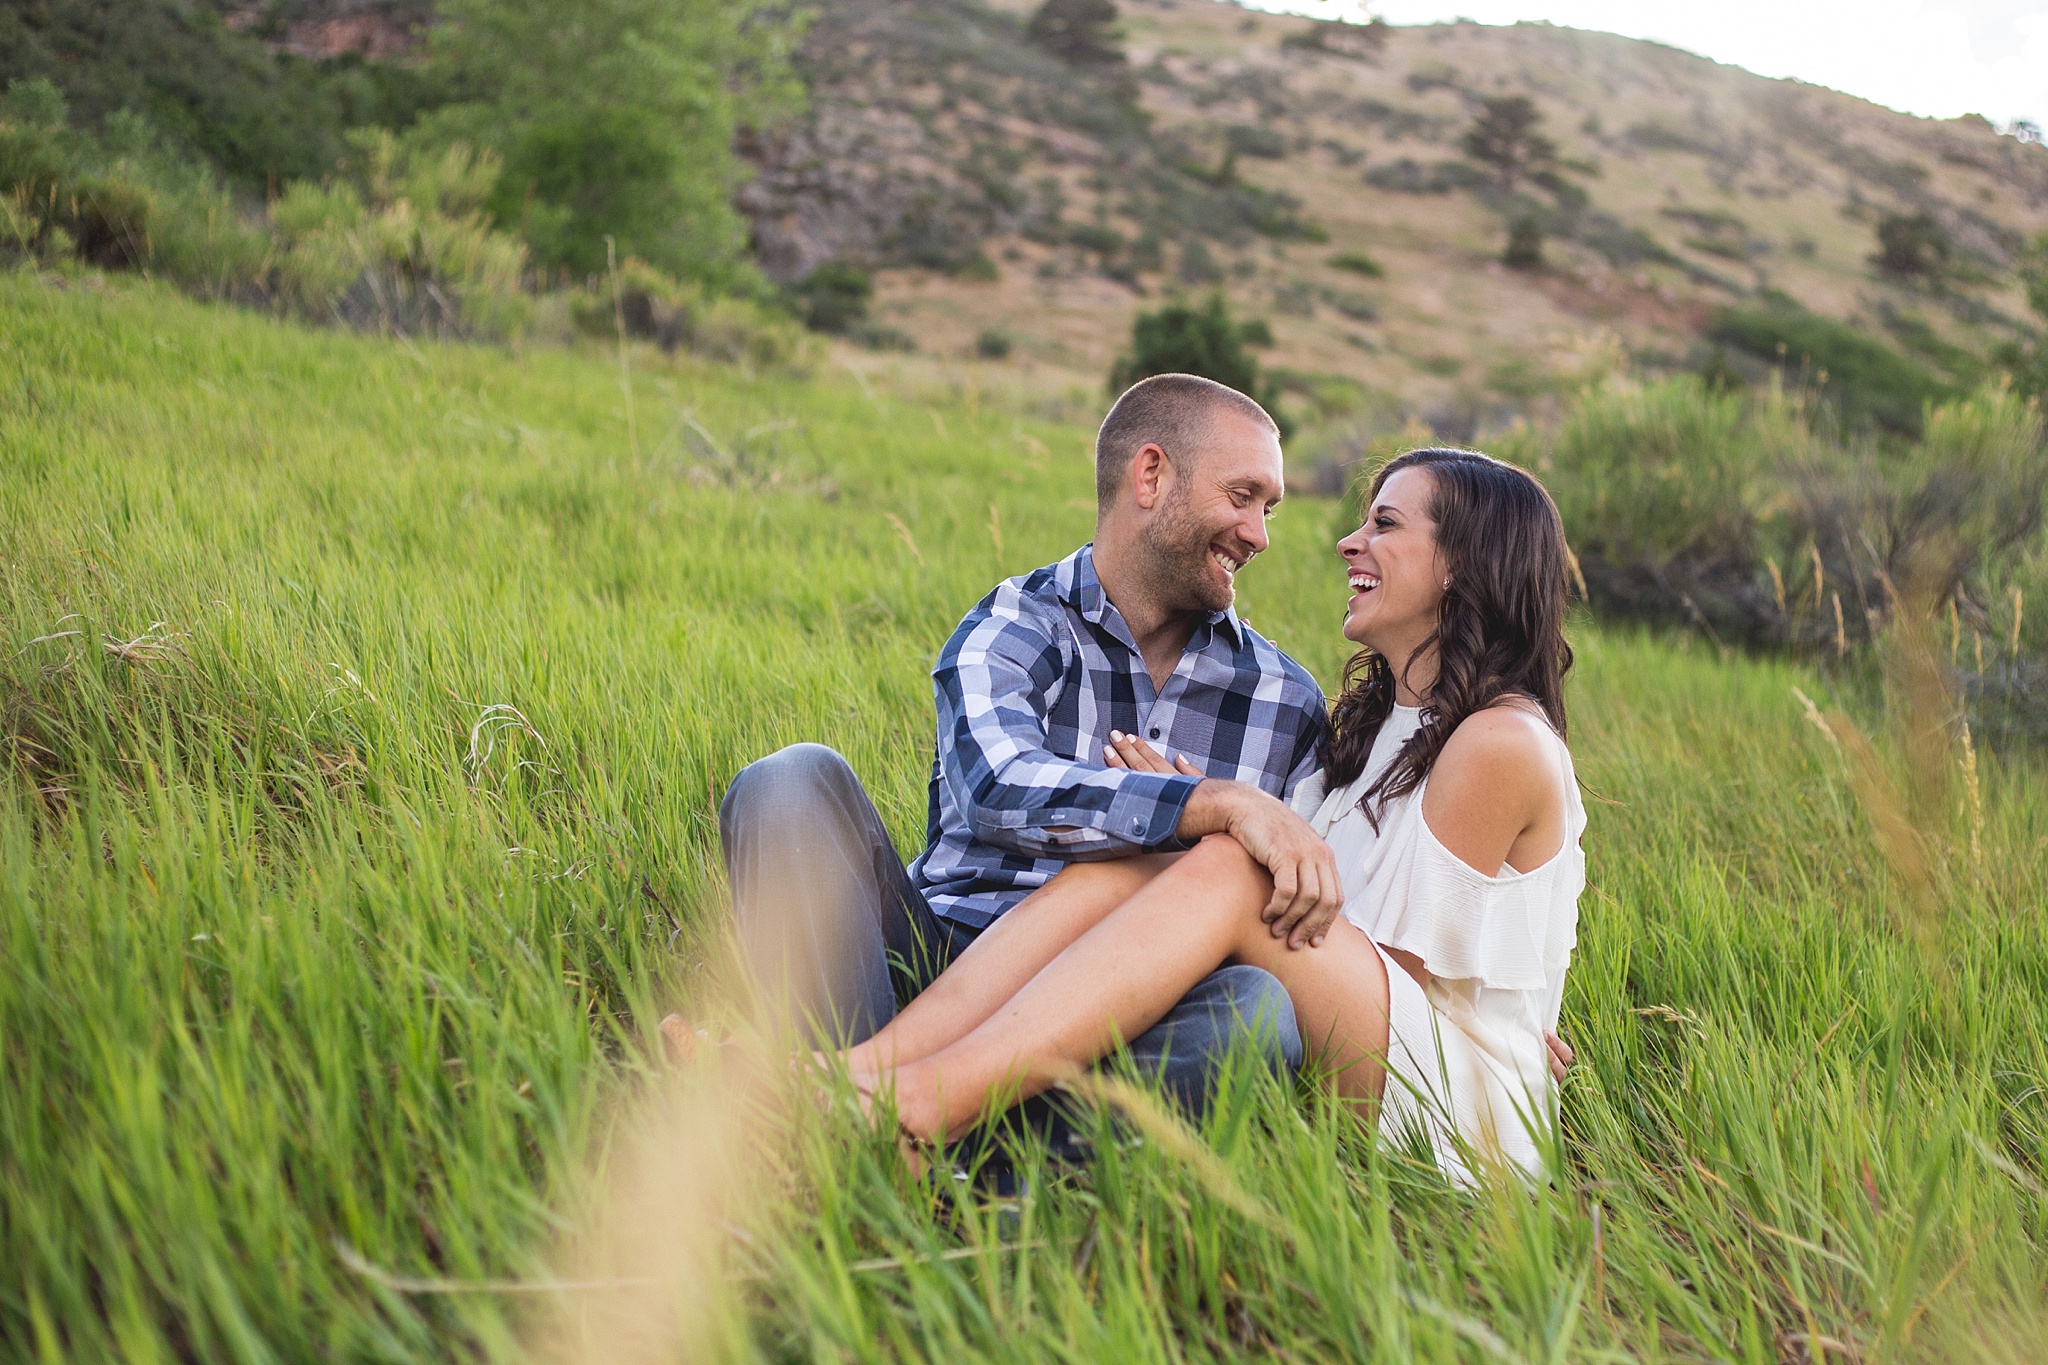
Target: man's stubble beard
[(1177, 565)]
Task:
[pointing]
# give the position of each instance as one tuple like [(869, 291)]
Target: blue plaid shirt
[(1029, 687)]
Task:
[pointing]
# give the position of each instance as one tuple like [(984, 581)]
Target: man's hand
[(1306, 894)]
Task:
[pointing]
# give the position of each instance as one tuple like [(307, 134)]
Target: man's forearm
[(1214, 806)]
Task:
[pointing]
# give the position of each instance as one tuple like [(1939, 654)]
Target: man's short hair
[(1172, 411)]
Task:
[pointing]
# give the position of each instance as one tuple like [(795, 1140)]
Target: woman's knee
[(1222, 855)]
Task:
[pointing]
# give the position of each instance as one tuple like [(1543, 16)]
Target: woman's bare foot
[(918, 1153)]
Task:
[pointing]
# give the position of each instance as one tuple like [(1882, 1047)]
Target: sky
[(1935, 57)]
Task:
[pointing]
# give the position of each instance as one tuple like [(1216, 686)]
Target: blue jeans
[(831, 924)]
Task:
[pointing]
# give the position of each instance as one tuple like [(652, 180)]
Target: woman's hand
[(1128, 751), (1561, 1055)]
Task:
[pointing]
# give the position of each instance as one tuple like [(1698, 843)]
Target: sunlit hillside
[(1002, 191)]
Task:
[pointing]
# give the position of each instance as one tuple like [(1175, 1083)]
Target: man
[(1132, 633)]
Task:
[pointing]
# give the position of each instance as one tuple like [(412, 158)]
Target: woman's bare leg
[(1006, 955), (1122, 975)]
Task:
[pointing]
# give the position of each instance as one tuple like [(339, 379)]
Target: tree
[(1504, 137), (210, 90), (1525, 244), (617, 122), (1913, 245), (1082, 33)]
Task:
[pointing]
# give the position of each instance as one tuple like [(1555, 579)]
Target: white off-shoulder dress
[(1468, 1070)]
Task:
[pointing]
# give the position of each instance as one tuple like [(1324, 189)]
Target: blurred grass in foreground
[(365, 705)]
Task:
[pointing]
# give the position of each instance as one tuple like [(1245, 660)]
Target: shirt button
[(1155, 732)]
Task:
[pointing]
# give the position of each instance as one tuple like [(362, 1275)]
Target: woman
[(1449, 799)]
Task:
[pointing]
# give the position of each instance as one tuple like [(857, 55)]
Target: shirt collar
[(1082, 590)]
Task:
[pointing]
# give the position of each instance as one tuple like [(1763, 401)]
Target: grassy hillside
[(364, 704), (1255, 151)]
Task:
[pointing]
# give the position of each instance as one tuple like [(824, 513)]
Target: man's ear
[(1151, 475)]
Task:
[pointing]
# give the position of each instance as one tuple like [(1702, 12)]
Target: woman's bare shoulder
[(1511, 733)]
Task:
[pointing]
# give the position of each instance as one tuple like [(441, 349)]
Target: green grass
[(294, 952)]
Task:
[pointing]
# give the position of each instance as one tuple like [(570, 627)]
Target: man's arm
[(1306, 892), (992, 684)]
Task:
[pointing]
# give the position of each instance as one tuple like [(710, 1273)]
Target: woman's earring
[(1447, 585)]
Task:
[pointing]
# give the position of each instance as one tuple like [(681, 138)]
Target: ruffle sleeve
[(1509, 932)]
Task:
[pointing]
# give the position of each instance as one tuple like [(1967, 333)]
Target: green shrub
[(1197, 263), (1651, 474), (18, 225), (736, 330), (1184, 338), (1358, 263), (2027, 362), (1864, 380), (1408, 176), (401, 245), (1735, 513), (994, 344), (203, 243), (217, 92), (1188, 339), (1912, 245), (834, 297), (1255, 141)]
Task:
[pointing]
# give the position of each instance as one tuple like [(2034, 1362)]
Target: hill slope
[(999, 187), (339, 904)]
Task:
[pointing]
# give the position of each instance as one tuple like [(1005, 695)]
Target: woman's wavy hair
[(1499, 631)]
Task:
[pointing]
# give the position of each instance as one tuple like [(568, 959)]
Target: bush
[(217, 93), (64, 196), (1865, 381), (2027, 363), (1198, 263), (1912, 246), (1359, 42), (1408, 176), (1735, 514), (994, 344), (1185, 339), (834, 297), (1252, 140), (1358, 263), (403, 245), (735, 330)]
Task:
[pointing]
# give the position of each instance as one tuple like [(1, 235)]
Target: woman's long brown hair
[(1499, 631)]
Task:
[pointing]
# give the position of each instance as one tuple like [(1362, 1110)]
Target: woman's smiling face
[(1395, 570)]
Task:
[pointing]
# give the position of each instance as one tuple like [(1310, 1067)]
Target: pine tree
[(1504, 137), (1083, 33)]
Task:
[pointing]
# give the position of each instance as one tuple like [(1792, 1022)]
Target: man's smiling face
[(1213, 520)]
